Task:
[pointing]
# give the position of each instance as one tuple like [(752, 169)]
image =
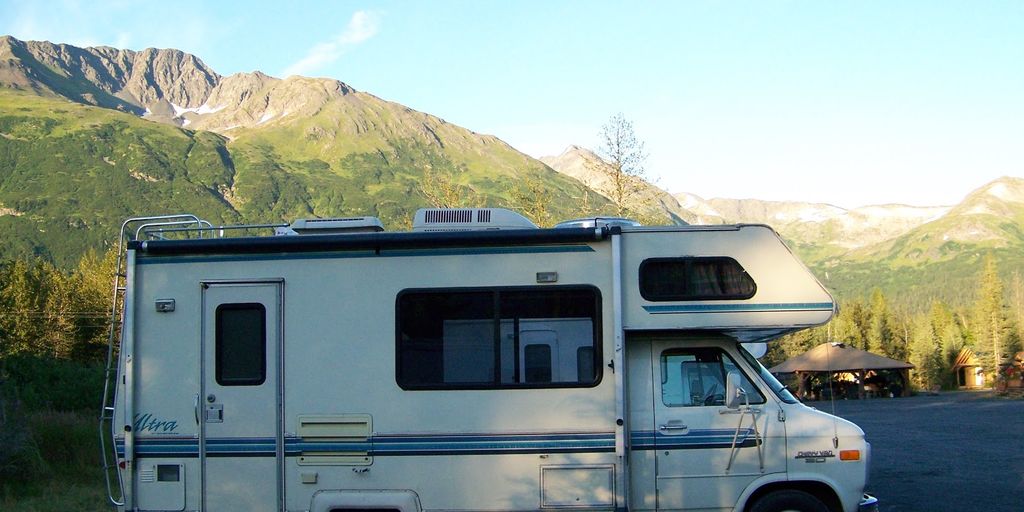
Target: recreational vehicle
[(474, 363)]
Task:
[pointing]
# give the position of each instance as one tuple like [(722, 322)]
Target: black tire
[(789, 500)]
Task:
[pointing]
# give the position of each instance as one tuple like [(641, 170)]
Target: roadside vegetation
[(53, 327), (989, 321)]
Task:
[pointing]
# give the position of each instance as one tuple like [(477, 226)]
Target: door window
[(241, 344), (695, 377)]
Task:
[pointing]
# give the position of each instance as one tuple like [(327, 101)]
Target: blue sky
[(850, 103)]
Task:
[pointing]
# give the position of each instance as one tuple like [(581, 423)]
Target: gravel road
[(960, 451)]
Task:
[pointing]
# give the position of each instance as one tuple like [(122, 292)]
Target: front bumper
[(868, 503)]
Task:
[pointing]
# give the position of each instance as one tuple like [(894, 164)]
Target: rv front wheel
[(789, 500)]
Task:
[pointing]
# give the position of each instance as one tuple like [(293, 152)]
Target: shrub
[(20, 459), (54, 384), (68, 443)]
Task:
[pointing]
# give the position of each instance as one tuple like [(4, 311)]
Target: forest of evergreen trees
[(992, 326)]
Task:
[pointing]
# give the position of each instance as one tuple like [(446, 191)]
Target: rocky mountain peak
[(246, 100), (587, 167), (1006, 189), (151, 79), (580, 163), (1002, 198), (170, 75), (163, 85)]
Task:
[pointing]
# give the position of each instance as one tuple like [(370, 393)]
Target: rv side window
[(241, 344), (498, 338), (696, 377), (694, 278)]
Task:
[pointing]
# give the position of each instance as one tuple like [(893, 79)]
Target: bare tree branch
[(625, 157)]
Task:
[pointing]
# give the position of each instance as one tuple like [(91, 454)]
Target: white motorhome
[(474, 363)]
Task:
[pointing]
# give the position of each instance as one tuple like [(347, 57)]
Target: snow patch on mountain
[(205, 108), (1001, 191), (901, 211), (180, 111), (697, 204)]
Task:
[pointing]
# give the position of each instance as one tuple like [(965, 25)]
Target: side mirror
[(734, 393)]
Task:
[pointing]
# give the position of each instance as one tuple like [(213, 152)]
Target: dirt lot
[(956, 451)]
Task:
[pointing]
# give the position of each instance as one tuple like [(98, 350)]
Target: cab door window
[(695, 377)]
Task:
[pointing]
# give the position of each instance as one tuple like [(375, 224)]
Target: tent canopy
[(837, 357)]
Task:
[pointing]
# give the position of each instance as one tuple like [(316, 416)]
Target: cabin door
[(695, 432), (241, 445)]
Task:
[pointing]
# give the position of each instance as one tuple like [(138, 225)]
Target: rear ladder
[(132, 229)]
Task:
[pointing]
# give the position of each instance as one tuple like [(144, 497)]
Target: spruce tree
[(990, 319), (880, 335), (926, 354)]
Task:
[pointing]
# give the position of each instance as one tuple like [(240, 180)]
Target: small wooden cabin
[(968, 370)]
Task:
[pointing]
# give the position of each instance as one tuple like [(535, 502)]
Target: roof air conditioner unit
[(468, 219), (335, 226)]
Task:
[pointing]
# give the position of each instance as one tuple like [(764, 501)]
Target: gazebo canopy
[(837, 357)]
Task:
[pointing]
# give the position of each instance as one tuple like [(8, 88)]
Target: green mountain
[(940, 259), (70, 174), (91, 136), (913, 254), (79, 151)]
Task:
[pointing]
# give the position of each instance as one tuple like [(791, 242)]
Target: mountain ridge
[(801, 221), (80, 151), (272, 150), (913, 253), (127, 80)]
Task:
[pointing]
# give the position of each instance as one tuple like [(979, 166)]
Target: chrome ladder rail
[(108, 445)]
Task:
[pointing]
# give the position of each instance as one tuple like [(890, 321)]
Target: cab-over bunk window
[(498, 338), (693, 279)]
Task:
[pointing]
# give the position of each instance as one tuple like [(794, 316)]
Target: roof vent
[(597, 222), (468, 219), (333, 226)]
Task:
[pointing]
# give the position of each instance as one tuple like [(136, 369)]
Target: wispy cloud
[(361, 27)]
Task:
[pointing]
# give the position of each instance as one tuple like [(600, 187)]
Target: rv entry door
[(241, 446)]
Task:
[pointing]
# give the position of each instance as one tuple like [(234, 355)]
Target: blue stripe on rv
[(464, 444), (740, 308)]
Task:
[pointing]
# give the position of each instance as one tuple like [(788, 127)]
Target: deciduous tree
[(442, 190), (624, 155), (533, 199)]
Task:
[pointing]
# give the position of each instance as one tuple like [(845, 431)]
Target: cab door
[(241, 444), (695, 432)]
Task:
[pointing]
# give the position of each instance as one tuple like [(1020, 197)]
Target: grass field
[(58, 468), (58, 496)]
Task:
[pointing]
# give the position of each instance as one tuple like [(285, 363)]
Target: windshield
[(768, 378)]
